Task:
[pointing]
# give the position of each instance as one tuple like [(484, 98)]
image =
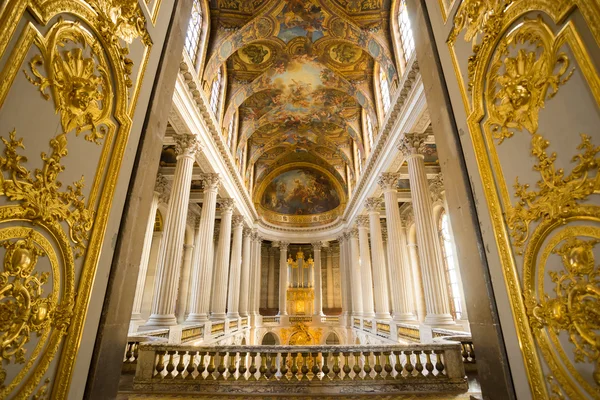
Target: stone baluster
[(160, 187), (355, 274), (202, 269), (233, 295), (380, 279), (165, 289), (245, 275), (219, 299), (366, 275), (430, 254), (283, 277), (318, 308), (399, 268)]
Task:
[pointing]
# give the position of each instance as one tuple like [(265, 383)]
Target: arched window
[(406, 37), (369, 130), (384, 88), (450, 266), (194, 31), (215, 92)]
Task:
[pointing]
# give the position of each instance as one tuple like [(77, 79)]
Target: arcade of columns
[(383, 274)]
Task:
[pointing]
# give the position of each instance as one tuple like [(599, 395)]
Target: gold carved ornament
[(514, 87)]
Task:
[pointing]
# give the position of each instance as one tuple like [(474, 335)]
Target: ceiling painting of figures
[(300, 191), (300, 85)]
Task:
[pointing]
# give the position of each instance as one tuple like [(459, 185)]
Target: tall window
[(192, 38), (406, 36), (215, 92), (450, 266), (370, 130), (385, 89)]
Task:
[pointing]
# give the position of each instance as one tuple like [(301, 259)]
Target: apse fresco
[(300, 191)]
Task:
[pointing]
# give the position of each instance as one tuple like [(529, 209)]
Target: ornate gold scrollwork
[(517, 95), (79, 82)]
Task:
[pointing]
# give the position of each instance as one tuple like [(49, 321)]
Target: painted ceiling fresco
[(300, 81), (300, 191)]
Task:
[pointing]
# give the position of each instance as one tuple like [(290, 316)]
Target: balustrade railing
[(270, 320), (285, 369)]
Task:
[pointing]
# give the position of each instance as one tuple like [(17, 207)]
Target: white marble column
[(254, 296), (430, 254), (163, 304), (318, 308), (400, 276), (136, 313), (380, 281), (235, 268), (219, 294), (184, 282), (344, 274), (355, 274), (245, 275), (283, 277), (271, 302), (330, 287), (202, 269), (366, 275)]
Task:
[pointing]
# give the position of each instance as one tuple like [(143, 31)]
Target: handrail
[(390, 368)]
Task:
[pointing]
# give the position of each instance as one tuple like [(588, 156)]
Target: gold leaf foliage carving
[(23, 308), (121, 19), (557, 195), (517, 95), (482, 22), (575, 308), (80, 85), (40, 195)]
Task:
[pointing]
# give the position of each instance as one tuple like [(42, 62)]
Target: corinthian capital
[(362, 221), (317, 245), (227, 204), (186, 145), (388, 180), (247, 232), (237, 221), (412, 144), (373, 204), (353, 233), (283, 246), (211, 182)]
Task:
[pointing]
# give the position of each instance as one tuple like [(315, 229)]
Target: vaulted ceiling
[(299, 80)]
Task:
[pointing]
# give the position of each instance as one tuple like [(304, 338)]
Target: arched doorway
[(332, 339), (270, 339)]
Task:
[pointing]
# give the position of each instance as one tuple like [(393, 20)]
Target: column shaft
[(219, 295), (283, 278), (245, 275), (355, 274), (365, 267), (165, 296), (380, 281), (271, 279), (233, 296), (184, 282), (136, 313), (399, 267), (202, 268), (330, 287), (430, 255), (318, 309)]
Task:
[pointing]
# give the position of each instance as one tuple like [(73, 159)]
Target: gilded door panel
[(70, 78), (531, 91)]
